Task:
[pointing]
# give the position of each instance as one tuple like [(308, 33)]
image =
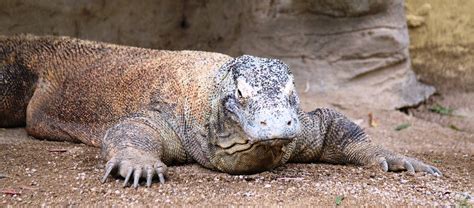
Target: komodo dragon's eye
[(239, 94), (240, 97), (244, 91)]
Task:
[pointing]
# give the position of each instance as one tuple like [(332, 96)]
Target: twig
[(372, 121), (29, 188), (291, 179), (57, 150), (10, 192)]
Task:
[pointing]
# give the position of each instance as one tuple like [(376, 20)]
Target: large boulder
[(343, 52)]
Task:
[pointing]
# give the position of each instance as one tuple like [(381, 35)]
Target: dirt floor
[(34, 172)]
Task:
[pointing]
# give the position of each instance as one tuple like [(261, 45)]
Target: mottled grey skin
[(236, 115)]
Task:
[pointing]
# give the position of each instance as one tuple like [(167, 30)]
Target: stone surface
[(343, 52), (442, 45)]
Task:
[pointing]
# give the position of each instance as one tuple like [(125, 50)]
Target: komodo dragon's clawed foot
[(402, 163), (138, 167)]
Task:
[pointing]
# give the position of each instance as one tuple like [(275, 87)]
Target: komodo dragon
[(148, 109)]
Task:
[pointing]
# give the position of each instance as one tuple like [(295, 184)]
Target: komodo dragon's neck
[(195, 112)]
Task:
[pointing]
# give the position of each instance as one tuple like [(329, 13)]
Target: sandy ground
[(34, 172)]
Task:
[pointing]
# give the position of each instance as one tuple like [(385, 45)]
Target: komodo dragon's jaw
[(260, 116)]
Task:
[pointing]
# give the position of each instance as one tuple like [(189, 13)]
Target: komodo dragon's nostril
[(263, 123), (288, 123)]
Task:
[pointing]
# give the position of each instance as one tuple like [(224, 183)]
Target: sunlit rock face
[(347, 52)]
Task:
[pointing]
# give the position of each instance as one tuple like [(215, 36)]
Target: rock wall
[(442, 42), (343, 52)]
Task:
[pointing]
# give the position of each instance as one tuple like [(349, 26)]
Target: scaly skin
[(148, 109), (330, 137)]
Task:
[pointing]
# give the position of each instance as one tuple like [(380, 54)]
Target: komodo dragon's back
[(70, 89)]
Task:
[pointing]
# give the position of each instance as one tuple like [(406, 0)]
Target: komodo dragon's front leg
[(328, 136), (141, 147)]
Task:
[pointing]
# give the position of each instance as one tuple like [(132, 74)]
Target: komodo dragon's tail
[(25, 59), (22, 59), (16, 82)]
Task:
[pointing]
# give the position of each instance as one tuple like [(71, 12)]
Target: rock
[(349, 51), (440, 58), (415, 21)]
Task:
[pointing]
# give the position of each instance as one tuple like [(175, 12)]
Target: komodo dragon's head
[(259, 116)]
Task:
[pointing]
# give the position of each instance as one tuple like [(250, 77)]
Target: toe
[(111, 164), (132, 169), (409, 167), (429, 170), (149, 175), (383, 164), (127, 178), (136, 176), (161, 177), (160, 170), (422, 167), (436, 171)]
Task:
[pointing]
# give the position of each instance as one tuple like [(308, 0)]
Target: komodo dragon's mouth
[(232, 147), (239, 155), (236, 152)]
